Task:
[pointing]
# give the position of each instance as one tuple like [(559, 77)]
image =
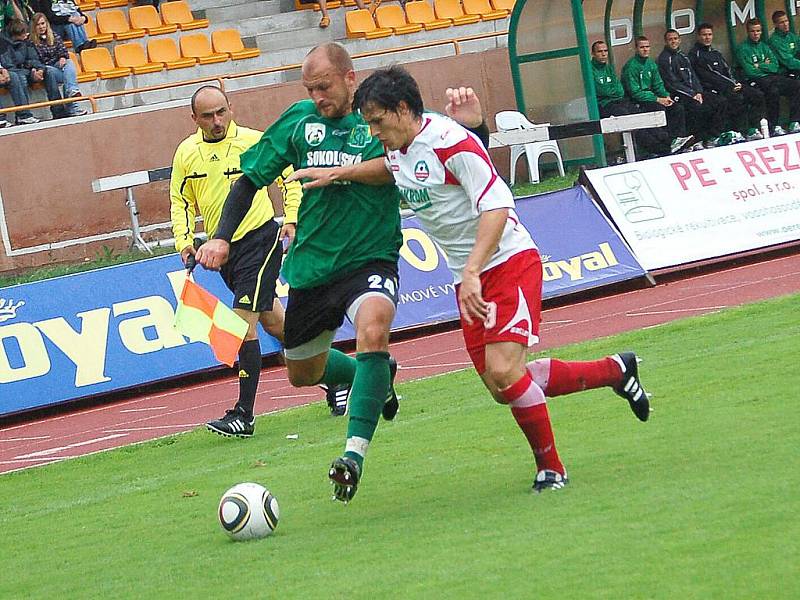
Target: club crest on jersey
[(359, 136), (421, 171), (315, 133)]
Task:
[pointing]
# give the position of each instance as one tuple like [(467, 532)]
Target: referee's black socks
[(249, 372)]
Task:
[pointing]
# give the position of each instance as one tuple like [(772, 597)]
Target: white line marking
[(27, 439), (676, 310), (42, 459), (50, 451), (179, 426), (133, 410), (459, 364), (293, 396), (557, 322)]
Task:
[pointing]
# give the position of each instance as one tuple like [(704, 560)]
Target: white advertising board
[(700, 205)]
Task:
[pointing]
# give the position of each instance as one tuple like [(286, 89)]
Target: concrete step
[(287, 5), (241, 12)]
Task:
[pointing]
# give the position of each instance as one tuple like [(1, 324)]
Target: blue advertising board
[(111, 329)]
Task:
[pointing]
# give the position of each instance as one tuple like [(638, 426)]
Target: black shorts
[(311, 312), (253, 267)]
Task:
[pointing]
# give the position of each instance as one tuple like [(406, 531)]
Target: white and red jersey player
[(447, 178)]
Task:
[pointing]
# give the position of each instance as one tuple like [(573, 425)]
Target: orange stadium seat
[(483, 9), (92, 33), (83, 76), (165, 50), (85, 5), (178, 13), (116, 23), (148, 19), (392, 16), (359, 24), (421, 12), (229, 41), (197, 46), (507, 5), (98, 60), (331, 5), (451, 9), (132, 56), (111, 3)]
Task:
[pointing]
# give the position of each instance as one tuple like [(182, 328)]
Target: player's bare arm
[(490, 230), (464, 107), (370, 172)]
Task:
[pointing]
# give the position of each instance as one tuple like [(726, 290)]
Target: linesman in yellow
[(204, 167)]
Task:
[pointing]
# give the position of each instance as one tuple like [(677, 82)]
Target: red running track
[(99, 428)]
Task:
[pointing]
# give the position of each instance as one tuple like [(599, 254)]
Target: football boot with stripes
[(233, 424), (392, 404), (546, 479), (337, 397), (630, 387), (344, 475)]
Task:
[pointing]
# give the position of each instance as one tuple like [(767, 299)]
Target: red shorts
[(515, 289)]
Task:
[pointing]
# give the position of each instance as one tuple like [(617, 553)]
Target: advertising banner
[(111, 329), (701, 205)]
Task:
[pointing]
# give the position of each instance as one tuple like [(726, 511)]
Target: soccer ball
[(248, 511)]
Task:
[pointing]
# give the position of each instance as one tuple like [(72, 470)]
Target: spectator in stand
[(53, 54), (706, 114), (785, 44), (14, 9), (18, 88), (323, 8), (643, 84), (612, 102), (20, 57), (745, 102), (761, 67), (67, 21)]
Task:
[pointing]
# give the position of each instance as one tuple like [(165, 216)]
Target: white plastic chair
[(509, 120)]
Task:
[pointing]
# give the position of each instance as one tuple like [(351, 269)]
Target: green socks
[(370, 388), (340, 369)]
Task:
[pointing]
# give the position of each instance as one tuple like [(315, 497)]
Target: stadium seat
[(148, 19), (98, 60), (132, 56), (92, 33), (511, 120), (196, 45), (228, 41), (111, 3), (421, 12), (359, 24), (451, 9), (116, 23), (392, 16), (83, 76), (164, 50), (178, 13), (507, 5), (483, 9), (85, 5)]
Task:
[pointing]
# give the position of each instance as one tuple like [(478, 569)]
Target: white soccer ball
[(248, 511)]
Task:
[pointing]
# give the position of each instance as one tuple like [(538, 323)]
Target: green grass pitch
[(700, 502)]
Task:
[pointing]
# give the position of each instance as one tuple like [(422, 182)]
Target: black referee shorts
[(253, 267)]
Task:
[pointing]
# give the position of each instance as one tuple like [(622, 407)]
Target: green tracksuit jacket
[(607, 85), (786, 47), (756, 60), (642, 81)]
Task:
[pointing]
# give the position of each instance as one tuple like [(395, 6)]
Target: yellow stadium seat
[(483, 9), (451, 9), (392, 16), (359, 24), (228, 41), (83, 76), (92, 33), (164, 50), (421, 12), (84, 5), (116, 23), (132, 56), (148, 19), (507, 5), (98, 60), (196, 45), (111, 3), (178, 13)]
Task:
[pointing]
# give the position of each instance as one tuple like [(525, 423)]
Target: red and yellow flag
[(203, 317)]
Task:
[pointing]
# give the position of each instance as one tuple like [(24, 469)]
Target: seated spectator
[(67, 21), (643, 84), (745, 102), (761, 67), (706, 114), (20, 57), (612, 102), (785, 45), (17, 86), (14, 9), (54, 55), (323, 8)]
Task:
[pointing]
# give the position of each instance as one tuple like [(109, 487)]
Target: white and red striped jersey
[(448, 180)]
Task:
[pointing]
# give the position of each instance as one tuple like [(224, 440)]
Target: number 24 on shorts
[(376, 282)]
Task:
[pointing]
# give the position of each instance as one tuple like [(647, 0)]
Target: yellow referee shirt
[(202, 175)]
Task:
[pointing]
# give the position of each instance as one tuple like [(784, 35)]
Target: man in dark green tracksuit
[(612, 102), (761, 66), (643, 83), (785, 44)]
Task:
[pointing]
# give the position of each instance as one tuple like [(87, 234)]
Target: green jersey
[(786, 47), (642, 81), (756, 60), (606, 84), (340, 227)]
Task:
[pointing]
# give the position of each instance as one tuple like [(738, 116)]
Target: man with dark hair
[(643, 84), (761, 67), (705, 113), (343, 260), (612, 102), (785, 44), (745, 102), (448, 179)]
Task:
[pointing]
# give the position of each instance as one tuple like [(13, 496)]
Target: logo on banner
[(8, 310), (315, 133), (421, 171), (634, 197)]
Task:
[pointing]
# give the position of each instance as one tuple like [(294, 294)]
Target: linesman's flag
[(203, 317)]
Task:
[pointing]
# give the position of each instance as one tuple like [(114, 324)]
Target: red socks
[(566, 377)]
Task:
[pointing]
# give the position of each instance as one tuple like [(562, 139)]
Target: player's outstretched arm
[(370, 172), (464, 107), (490, 230)]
